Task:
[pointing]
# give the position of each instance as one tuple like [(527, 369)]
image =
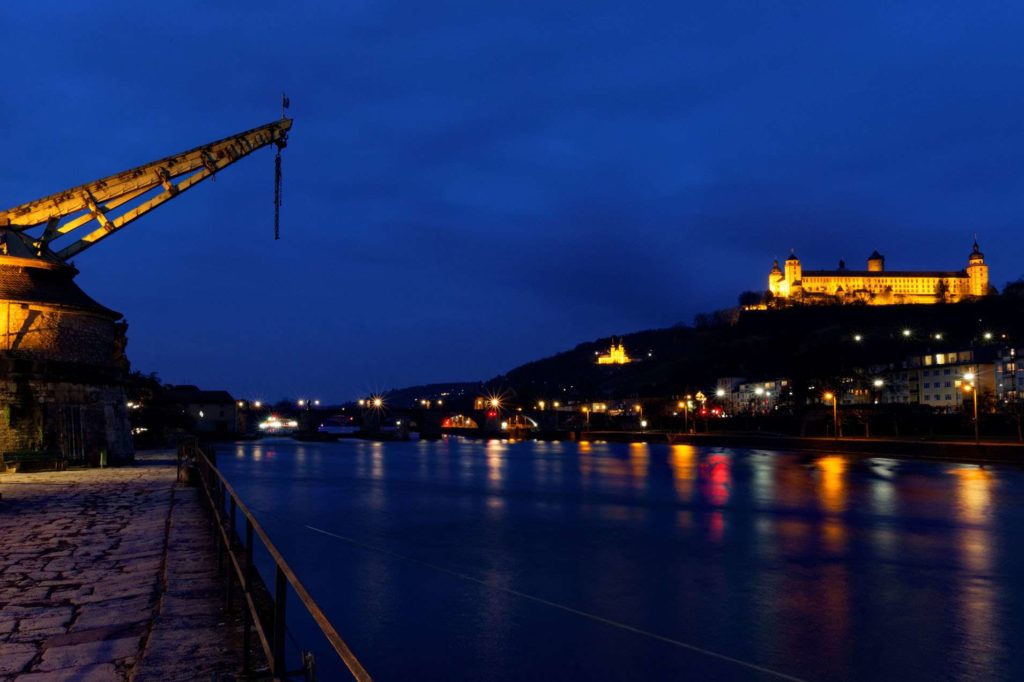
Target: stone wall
[(79, 419), (54, 333)]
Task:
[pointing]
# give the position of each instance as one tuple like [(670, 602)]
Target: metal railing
[(265, 612)]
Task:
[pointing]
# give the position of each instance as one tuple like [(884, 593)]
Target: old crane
[(62, 362)]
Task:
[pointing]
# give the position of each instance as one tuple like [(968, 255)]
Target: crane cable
[(277, 191)]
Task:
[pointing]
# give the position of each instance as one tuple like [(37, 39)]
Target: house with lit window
[(937, 379), (211, 412), (1010, 375)]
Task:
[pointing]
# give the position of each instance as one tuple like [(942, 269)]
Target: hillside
[(804, 344)]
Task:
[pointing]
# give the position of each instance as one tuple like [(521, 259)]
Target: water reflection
[(832, 489), (802, 563), (682, 459), (973, 494), (979, 598), (639, 460), (716, 479)]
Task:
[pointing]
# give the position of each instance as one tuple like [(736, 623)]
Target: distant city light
[(879, 383), (858, 337), (720, 392), (906, 332), (258, 404), (274, 423), (759, 391), (969, 376), (988, 335)]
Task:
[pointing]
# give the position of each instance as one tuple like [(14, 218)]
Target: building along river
[(471, 560)]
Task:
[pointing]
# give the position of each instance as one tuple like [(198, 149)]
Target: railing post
[(280, 593), (231, 534), (247, 589)]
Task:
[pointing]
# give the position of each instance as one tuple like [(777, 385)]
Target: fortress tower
[(977, 272)]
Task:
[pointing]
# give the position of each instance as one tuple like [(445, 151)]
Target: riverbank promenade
[(110, 574)]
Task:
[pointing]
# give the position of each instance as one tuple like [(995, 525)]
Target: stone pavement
[(88, 588)]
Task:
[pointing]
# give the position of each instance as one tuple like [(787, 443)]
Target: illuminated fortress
[(875, 286)]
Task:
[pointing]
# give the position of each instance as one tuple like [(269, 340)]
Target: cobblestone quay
[(110, 574)]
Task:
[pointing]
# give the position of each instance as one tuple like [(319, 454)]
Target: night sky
[(472, 185)]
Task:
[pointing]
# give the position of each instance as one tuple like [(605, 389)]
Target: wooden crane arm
[(96, 200)]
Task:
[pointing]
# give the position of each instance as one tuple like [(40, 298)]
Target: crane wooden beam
[(93, 207)]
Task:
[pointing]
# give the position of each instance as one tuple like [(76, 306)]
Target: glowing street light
[(258, 404), (720, 393), (302, 403), (906, 333), (835, 412), (378, 402), (858, 338), (969, 387), (879, 383)]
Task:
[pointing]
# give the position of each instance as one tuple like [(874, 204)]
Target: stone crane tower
[(63, 367)]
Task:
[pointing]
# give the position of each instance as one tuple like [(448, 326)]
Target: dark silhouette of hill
[(807, 344)]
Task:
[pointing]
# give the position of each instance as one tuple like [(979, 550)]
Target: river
[(472, 560)]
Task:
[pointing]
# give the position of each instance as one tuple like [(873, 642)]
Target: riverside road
[(475, 560)]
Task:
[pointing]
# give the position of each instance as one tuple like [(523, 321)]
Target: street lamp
[(586, 412), (835, 413), (973, 390)]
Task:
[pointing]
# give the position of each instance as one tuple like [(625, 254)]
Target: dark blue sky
[(473, 185)]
